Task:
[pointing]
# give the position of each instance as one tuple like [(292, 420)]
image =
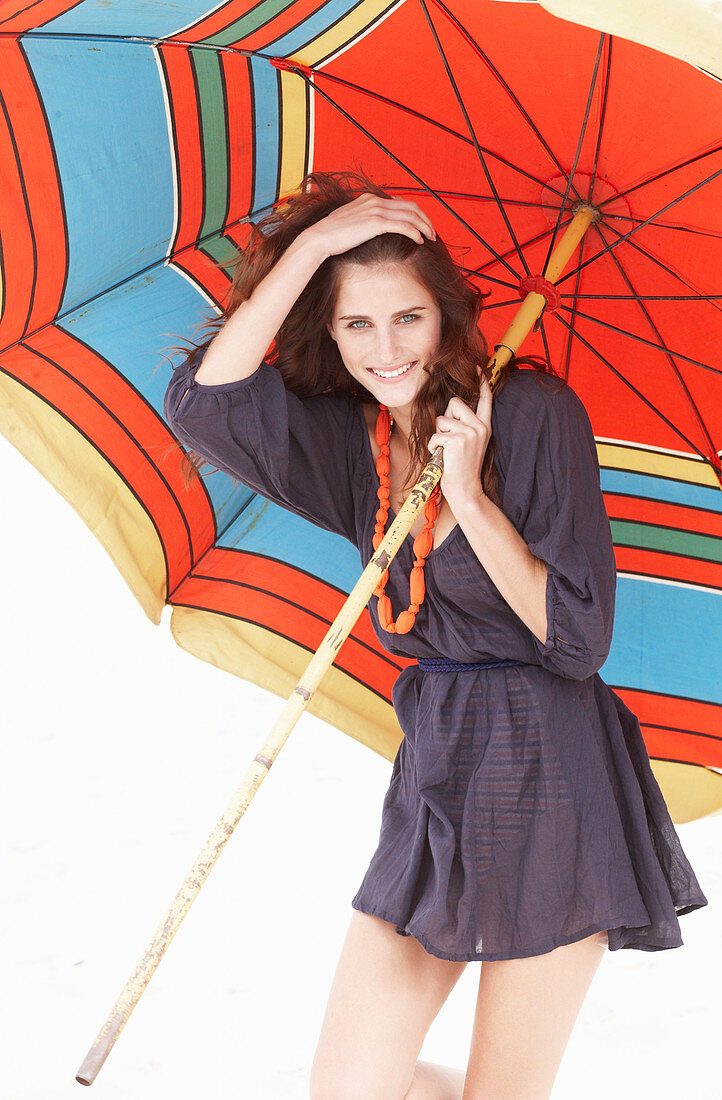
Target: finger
[(483, 405), (413, 208), (408, 203), (425, 219), (383, 222), (410, 229), (450, 425), (460, 411), (420, 224), (437, 441), (376, 206)]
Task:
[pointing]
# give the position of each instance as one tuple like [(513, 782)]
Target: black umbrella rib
[(494, 305), (639, 339), (544, 338), (663, 347), (389, 103), (648, 297), (500, 79), (354, 122), (142, 39), (482, 198), (663, 265), (125, 39), (626, 236), (602, 117), (580, 143), (525, 244), (639, 394), (472, 133), (660, 175), (709, 233), (574, 312), (439, 126)]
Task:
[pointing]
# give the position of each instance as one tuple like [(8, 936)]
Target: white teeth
[(393, 373)]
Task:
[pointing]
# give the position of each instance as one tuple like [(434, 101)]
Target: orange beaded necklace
[(422, 543)]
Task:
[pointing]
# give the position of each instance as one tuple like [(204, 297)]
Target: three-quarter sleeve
[(553, 495), (298, 453)]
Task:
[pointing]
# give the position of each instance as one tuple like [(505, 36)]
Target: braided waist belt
[(445, 664)]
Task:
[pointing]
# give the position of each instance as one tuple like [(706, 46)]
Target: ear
[(330, 331)]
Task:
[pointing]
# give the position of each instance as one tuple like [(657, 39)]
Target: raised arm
[(230, 406), (240, 345)]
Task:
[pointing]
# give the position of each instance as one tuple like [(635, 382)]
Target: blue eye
[(358, 325)]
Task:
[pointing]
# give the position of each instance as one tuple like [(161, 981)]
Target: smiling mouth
[(398, 373)]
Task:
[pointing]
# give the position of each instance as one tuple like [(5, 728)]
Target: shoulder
[(539, 420), (524, 385), (537, 396)]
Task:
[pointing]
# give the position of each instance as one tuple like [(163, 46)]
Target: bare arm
[(238, 348)]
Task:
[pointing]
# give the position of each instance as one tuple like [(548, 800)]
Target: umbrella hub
[(585, 191), (596, 212)]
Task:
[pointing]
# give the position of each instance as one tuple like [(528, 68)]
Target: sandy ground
[(120, 753)]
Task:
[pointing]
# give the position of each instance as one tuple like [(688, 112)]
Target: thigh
[(385, 994), (525, 1012)]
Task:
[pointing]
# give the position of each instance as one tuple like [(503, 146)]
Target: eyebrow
[(401, 312)]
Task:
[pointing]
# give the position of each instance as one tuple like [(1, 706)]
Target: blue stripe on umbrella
[(667, 638), (110, 160)]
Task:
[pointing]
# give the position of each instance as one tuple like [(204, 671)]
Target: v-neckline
[(392, 514)]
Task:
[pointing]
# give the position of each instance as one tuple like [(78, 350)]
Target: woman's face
[(385, 320)]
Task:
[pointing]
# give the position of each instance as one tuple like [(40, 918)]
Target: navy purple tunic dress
[(522, 812)]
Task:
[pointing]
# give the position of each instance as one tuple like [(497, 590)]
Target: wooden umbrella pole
[(297, 701), (259, 768)]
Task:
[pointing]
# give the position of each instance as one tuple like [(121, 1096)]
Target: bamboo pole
[(339, 630), (260, 766)]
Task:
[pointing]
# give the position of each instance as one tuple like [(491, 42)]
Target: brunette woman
[(523, 827)]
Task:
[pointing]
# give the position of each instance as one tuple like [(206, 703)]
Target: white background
[(120, 754)]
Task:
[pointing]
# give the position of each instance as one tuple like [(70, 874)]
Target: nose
[(388, 345)]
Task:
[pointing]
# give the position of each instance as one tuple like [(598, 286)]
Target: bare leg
[(525, 1012), (386, 993)]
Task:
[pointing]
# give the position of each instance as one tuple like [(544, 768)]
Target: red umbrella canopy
[(138, 143)]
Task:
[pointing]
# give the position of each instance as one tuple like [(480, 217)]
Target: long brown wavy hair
[(303, 350)]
